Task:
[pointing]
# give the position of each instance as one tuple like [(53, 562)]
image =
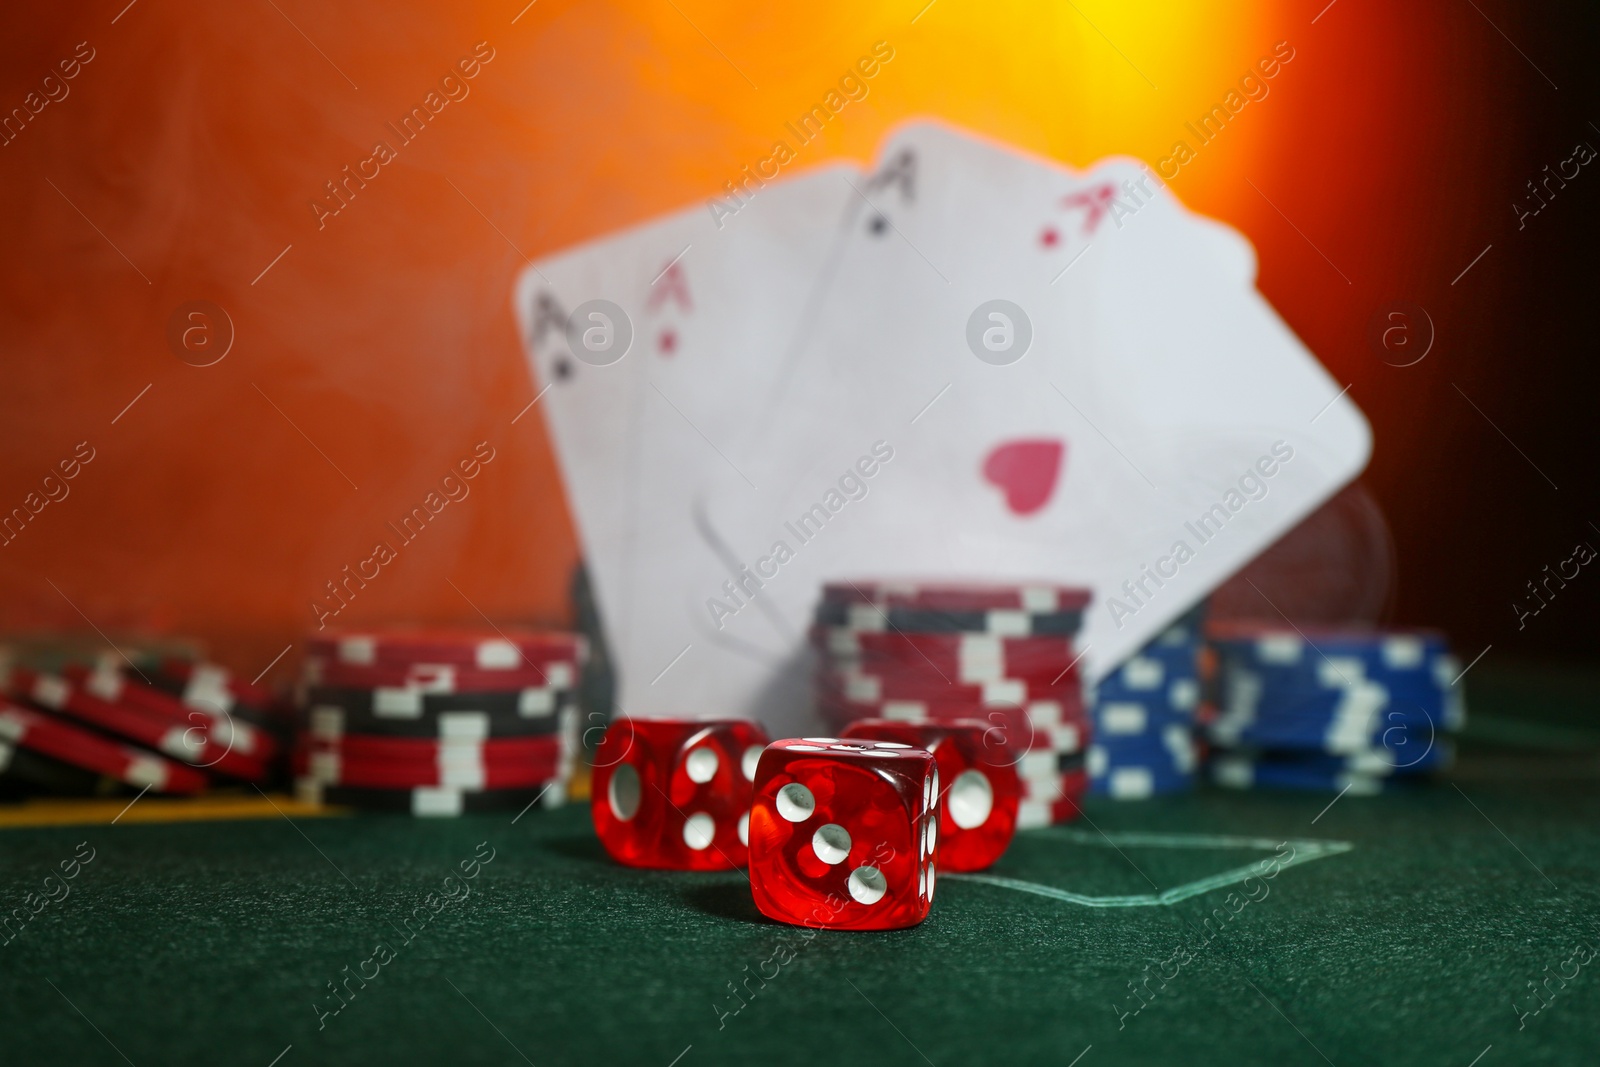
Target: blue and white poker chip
[(1333, 708), (1144, 719)]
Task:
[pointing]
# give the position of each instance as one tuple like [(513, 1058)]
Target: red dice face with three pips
[(674, 794), (843, 834), (978, 810)]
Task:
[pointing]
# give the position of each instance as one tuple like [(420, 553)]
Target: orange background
[(197, 137)]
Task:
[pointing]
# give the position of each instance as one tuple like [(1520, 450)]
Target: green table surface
[(1408, 931)]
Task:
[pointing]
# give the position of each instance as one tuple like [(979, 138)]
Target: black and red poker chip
[(429, 800), (25, 773), (489, 765), (437, 722), (192, 742), (402, 712), (60, 739), (490, 650)]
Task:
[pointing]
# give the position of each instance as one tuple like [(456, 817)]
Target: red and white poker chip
[(957, 657), (850, 682), (332, 768), (184, 740), (221, 728), (50, 735), (426, 678), (491, 650), (1037, 598)]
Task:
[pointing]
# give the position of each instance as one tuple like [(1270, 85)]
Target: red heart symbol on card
[(1026, 472)]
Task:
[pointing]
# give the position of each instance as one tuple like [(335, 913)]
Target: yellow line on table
[(85, 812)]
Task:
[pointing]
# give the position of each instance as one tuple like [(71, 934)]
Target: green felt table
[(1407, 930)]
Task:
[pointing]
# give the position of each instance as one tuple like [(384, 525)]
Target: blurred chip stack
[(1144, 718), (1335, 710), (438, 722), (110, 726), (946, 651)]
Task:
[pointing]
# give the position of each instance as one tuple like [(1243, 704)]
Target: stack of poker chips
[(114, 727), (438, 722), (1144, 718), (946, 651), (1357, 710)]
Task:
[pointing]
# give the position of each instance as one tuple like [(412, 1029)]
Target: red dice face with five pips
[(978, 810), (844, 833), (674, 794)]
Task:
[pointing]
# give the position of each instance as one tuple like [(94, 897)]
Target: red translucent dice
[(978, 810), (674, 794), (844, 834)]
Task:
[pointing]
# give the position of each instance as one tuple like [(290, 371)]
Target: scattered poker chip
[(945, 596), (23, 772), (210, 682), (220, 728), (869, 618), (431, 801), (192, 743), (492, 650), (53, 736), (405, 712), (211, 689), (439, 678)]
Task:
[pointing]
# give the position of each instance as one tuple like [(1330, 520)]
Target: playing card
[(702, 290), (1014, 372)]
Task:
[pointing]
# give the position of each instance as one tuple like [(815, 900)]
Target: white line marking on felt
[(1080, 1056), (1305, 852), (680, 1056), (280, 1056), (1481, 1055)]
